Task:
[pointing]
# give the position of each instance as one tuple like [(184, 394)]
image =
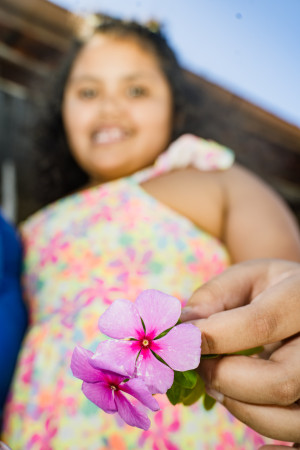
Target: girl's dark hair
[(58, 172)]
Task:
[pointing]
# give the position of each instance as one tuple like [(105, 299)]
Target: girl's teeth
[(107, 136)]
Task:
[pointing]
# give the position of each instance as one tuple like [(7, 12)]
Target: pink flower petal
[(121, 320), (81, 367), (157, 376), (100, 394), (136, 387), (131, 414), (116, 356), (181, 347), (159, 311)]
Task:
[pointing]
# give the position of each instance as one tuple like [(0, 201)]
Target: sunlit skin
[(117, 108)]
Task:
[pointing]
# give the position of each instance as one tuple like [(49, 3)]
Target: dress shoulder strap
[(188, 151)]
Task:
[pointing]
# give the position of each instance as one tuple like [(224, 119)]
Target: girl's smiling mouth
[(109, 135)]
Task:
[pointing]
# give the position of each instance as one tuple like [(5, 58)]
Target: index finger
[(257, 381)]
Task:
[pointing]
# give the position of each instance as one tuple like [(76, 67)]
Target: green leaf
[(180, 393), (208, 402), (212, 355), (250, 351), (195, 393), (174, 393), (187, 379)]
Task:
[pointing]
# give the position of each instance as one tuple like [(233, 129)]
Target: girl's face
[(117, 108)]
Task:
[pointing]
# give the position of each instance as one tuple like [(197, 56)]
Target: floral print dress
[(83, 252)]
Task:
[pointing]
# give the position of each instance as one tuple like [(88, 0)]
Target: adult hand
[(252, 304)]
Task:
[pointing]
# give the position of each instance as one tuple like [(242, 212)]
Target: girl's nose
[(110, 104)]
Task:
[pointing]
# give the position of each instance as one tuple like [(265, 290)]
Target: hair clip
[(153, 25), (86, 26)]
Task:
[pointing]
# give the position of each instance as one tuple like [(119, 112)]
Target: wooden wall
[(34, 35), (262, 142)]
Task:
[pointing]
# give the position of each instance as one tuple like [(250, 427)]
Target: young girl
[(131, 212)]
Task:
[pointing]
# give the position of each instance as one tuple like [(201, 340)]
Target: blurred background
[(244, 57)]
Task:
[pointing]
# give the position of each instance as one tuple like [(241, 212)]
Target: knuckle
[(265, 325), (286, 392)]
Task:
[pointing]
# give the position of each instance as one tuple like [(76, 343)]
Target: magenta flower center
[(113, 387)]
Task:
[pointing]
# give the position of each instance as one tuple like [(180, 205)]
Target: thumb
[(229, 290), (228, 318)]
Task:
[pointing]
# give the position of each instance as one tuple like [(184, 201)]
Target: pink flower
[(106, 387), (141, 325)]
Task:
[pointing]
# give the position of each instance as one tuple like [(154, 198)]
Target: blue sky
[(250, 47)]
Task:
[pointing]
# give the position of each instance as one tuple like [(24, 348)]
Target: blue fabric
[(13, 314)]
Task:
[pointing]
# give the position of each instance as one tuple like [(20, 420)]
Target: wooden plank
[(42, 14), (230, 110), (26, 44), (13, 89), (16, 58), (34, 29)]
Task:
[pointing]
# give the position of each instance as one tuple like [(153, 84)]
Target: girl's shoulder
[(189, 151), (197, 195), (187, 178)]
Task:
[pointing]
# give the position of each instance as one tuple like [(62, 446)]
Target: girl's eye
[(136, 91), (87, 93)]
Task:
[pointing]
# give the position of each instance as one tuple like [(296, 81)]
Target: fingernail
[(215, 394), (187, 311)]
